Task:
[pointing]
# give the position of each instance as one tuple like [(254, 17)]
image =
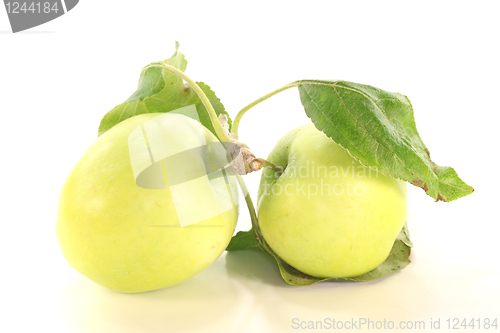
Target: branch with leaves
[(376, 127)]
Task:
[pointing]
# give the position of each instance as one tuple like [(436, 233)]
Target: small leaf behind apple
[(161, 91), (243, 240)]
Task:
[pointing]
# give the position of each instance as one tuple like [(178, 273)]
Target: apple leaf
[(243, 240), (162, 91), (397, 259), (378, 129)]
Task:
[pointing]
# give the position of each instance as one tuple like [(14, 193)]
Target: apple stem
[(236, 122), (203, 97), (251, 208), (253, 217), (249, 163), (271, 165)]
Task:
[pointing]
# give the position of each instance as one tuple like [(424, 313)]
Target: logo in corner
[(24, 15)]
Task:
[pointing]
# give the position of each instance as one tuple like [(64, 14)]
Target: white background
[(58, 80)]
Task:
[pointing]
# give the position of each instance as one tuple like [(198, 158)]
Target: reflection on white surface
[(454, 274), (201, 304), (243, 292)]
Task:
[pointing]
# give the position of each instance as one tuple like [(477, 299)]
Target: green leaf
[(397, 259), (243, 240), (161, 91), (378, 129)]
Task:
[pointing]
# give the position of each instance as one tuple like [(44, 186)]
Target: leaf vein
[(145, 107), (121, 114), (166, 101), (135, 109)]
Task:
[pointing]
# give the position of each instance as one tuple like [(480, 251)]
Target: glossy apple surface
[(128, 238), (326, 214)]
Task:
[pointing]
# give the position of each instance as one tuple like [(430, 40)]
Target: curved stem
[(271, 165), (236, 122), (204, 99), (251, 208), (255, 221)]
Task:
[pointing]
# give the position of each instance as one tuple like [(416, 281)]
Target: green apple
[(325, 214), (129, 238)]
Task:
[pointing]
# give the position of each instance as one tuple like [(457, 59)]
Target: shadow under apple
[(254, 265), (204, 301)]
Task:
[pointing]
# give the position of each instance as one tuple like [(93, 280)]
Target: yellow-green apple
[(129, 238), (326, 214)]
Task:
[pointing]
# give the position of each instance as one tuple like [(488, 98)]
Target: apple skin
[(113, 231), (328, 233)]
